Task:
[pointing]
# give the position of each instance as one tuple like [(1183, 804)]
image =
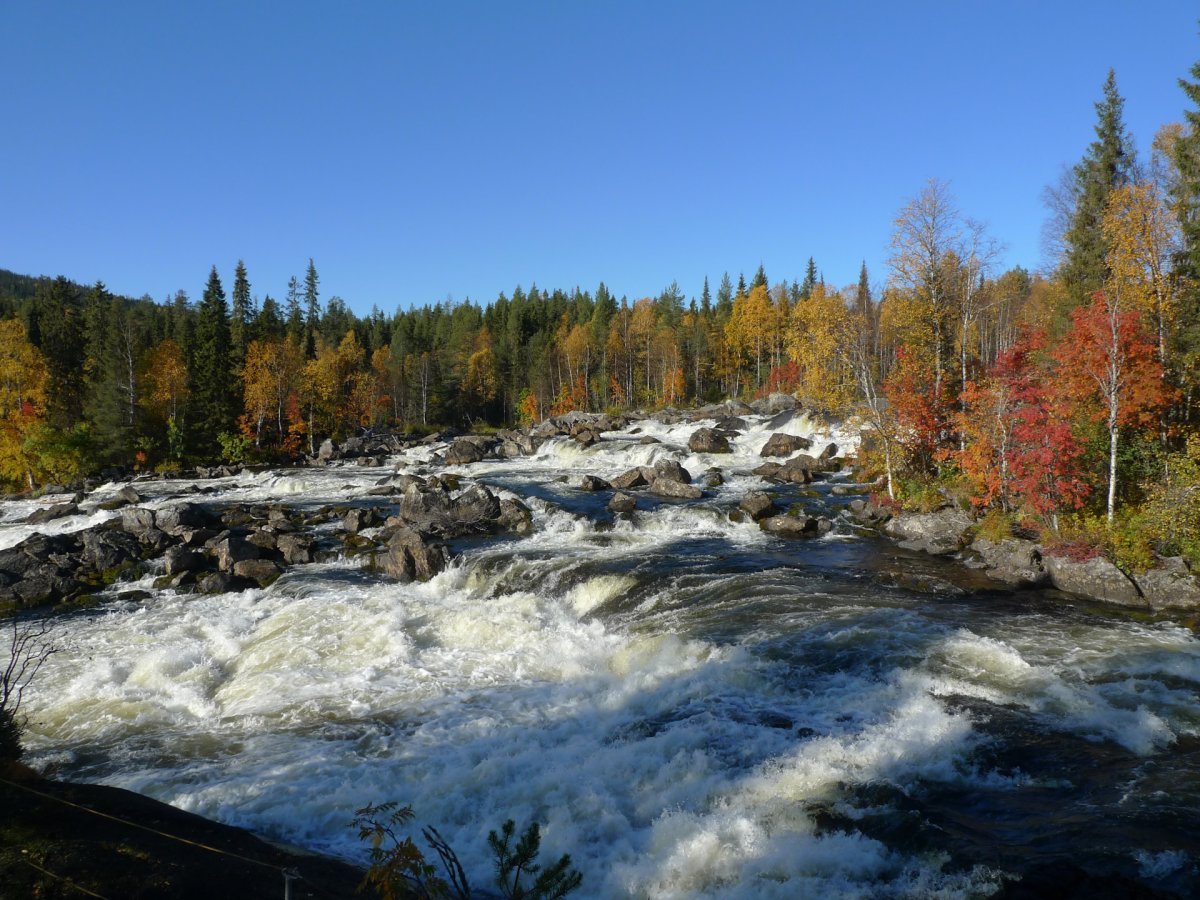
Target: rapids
[(691, 707)]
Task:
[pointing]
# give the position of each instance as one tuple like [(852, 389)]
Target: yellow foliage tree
[(818, 343), (271, 375), (23, 377)]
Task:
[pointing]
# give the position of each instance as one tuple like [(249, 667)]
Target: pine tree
[(705, 296), (725, 298), (295, 315), (760, 278), (810, 280), (1107, 165), (239, 318), (212, 380), (312, 308)]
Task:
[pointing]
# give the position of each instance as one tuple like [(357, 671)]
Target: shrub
[(995, 526)]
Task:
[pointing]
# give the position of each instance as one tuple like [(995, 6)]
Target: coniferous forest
[(1066, 402)]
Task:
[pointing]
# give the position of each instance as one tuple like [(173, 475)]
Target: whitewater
[(691, 707)]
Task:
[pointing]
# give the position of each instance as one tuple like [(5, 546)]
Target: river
[(689, 706)]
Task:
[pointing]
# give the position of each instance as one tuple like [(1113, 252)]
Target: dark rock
[(708, 440), (944, 531), (137, 520), (410, 556), (475, 508), (732, 424), (781, 444), (295, 548), (622, 503), (50, 513), (791, 526), (516, 517), (155, 541), (713, 478), (105, 550), (594, 483), (868, 513), (127, 495), (587, 437), (798, 470), (215, 583), (758, 505), (262, 571), (183, 559), (263, 540), (356, 520), (1096, 578), (634, 478), (670, 470), (647, 439), (828, 454), (1013, 561), (464, 452), (176, 517), (676, 490), (231, 550)]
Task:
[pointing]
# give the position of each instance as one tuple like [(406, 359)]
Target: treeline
[(1035, 396)]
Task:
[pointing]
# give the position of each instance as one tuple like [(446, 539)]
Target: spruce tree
[(760, 278), (312, 309), (60, 332), (295, 315), (810, 280), (239, 318), (212, 381), (1186, 194), (725, 298), (1107, 165)]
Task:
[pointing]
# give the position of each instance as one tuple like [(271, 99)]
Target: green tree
[(212, 380), (1107, 165), (312, 308), (239, 317)]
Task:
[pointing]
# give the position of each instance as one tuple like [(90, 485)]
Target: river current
[(689, 706)]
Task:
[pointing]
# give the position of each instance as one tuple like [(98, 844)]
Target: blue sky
[(419, 151)]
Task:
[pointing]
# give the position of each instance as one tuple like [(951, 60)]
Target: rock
[(215, 583), (670, 470), (154, 540), (798, 470), (594, 483), (634, 478), (781, 444), (777, 403), (295, 548), (1096, 578), (647, 439), (464, 452), (176, 517), (708, 440), (410, 556), (713, 478), (828, 454), (868, 513), (1170, 585), (1013, 561), (127, 495), (944, 531), (137, 520), (327, 450), (262, 571), (791, 526), (105, 550), (758, 505), (622, 503), (357, 519), (50, 513), (232, 550), (262, 539), (183, 559), (782, 419), (675, 490), (587, 437), (732, 424), (516, 517), (476, 508)]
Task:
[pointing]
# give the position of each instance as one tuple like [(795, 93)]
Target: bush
[(234, 446), (995, 526)]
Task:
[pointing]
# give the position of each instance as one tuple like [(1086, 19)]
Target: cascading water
[(690, 706)]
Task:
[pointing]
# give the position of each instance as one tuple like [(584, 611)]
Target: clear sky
[(425, 150)]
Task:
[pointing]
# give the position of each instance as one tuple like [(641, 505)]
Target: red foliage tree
[(921, 410)]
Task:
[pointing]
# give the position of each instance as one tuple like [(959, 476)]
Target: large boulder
[(594, 483), (1172, 584), (232, 550), (262, 571), (782, 444), (105, 550), (777, 403), (410, 556), (944, 531), (622, 503), (1014, 561), (670, 470), (50, 513), (178, 517), (294, 548), (137, 520), (639, 476), (516, 517), (867, 513), (758, 505), (708, 440), (1096, 579), (183, 559), (674, 490), (465, 451), (794, 526)]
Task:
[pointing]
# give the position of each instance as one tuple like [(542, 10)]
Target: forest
[(1063, 403)]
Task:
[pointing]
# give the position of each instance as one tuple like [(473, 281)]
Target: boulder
[(944, 531), (183, 559), (587, 437), (670, 470), (232, 550), (1013, 561), (176, 517), (634, 478), (708, 440), (594, 483), (50, 513), (137, 520), (294, 548), (732, 424), (675, 490), (105, 550), (516, 517), (476, 508), (791, 526), (464, 452), (1170, 585), (829, 453), (713, 478), (215, 583), (781, 444), (622, 503), (758, 505), (867, 513), (1096, 579), (410, 556), (356, 520), (262, 571)]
